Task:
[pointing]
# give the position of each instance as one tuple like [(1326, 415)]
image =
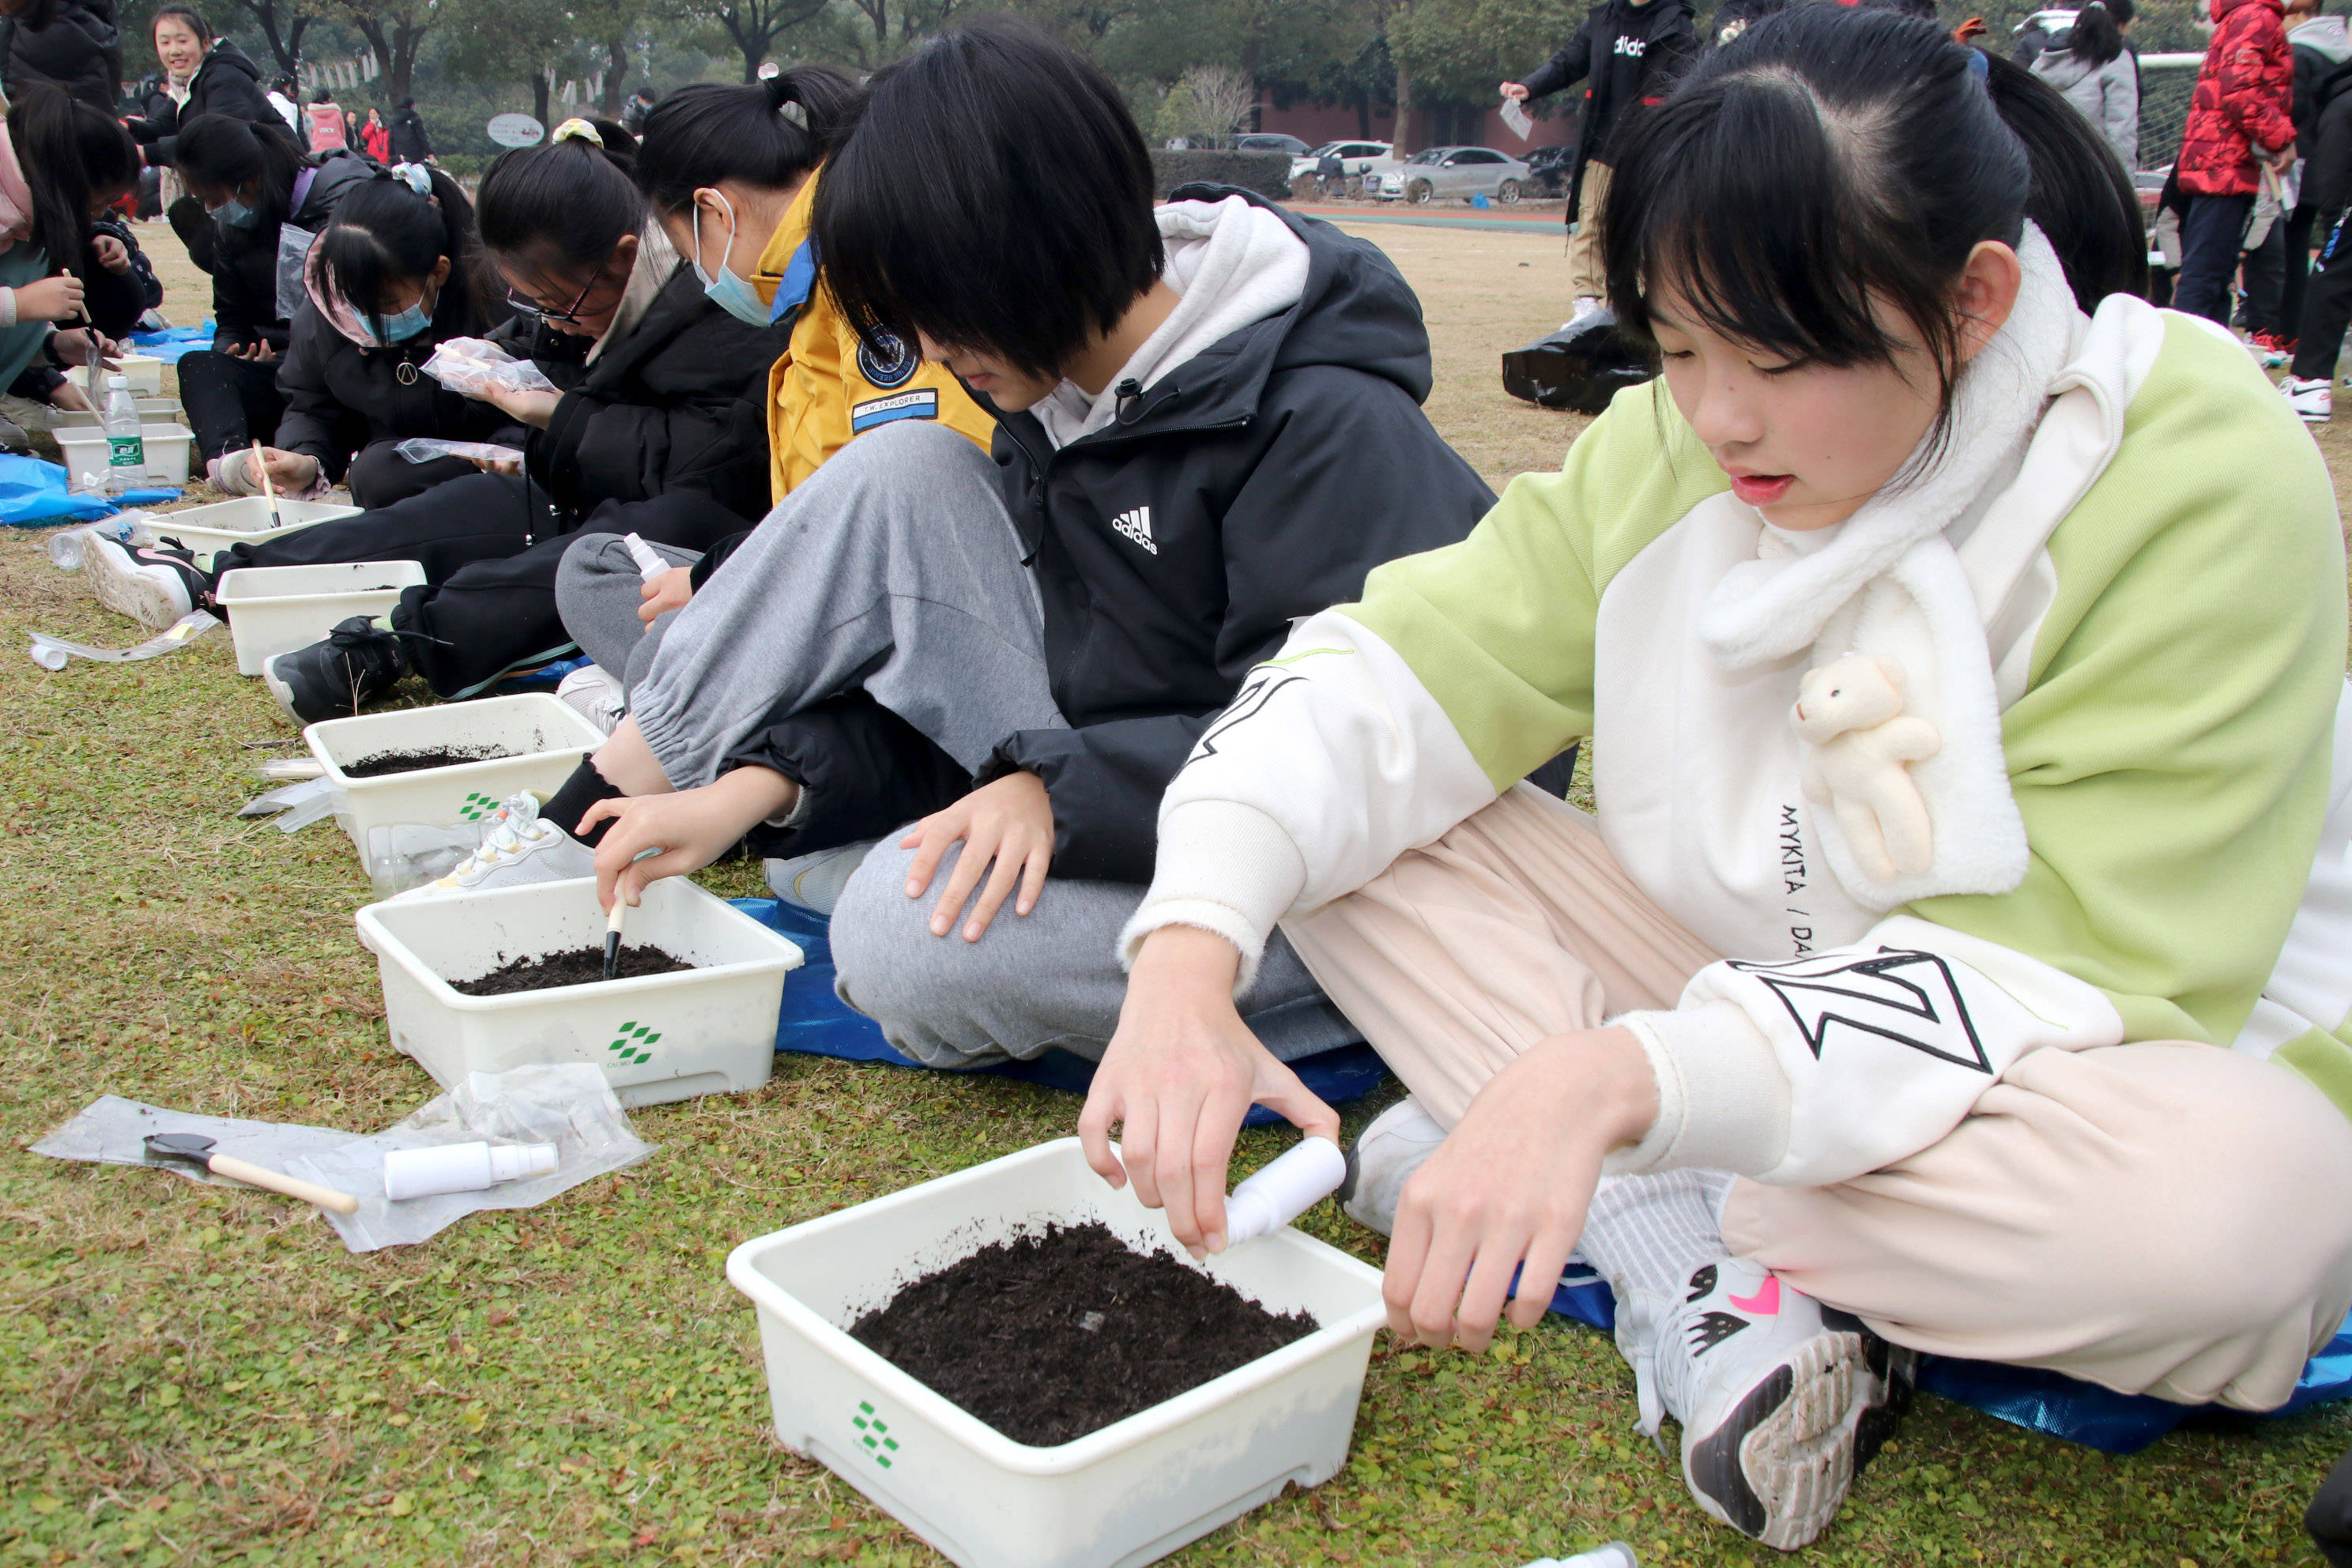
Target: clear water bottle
[(126, 442)]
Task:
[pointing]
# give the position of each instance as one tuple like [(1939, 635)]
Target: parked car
[(1358, 158), (1451, 172), (1269, 141), (1549, 169)]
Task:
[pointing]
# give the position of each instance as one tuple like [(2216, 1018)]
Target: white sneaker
[(815, 882), (2314, 400), (592, 692), (1386, 1153), (1580, 307), (520, 848), (1781, 1400), (147, 585)]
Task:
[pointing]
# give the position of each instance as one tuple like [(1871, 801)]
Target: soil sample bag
[(1580, 367)]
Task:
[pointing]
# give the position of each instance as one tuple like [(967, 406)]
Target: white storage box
[(144, 373), (85, 452), (547, 738), (151, 411), (276, 609), (1128, 1494), (709, 1030), (208, 530)]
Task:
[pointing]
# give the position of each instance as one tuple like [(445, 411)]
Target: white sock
[(1649, 1234)]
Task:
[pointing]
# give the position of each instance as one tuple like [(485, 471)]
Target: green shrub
[(1267, 173)]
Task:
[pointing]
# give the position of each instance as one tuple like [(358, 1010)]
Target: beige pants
[(2161, 1219), (1586, 279)]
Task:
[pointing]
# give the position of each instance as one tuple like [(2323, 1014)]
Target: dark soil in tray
[(577, 967), (1047, 1338), (385, 764)]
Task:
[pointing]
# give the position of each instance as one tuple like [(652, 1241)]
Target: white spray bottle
[(1288, 1187)]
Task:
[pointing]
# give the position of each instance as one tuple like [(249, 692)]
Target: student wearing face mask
[(261, 196), (653, 427), (387, 283), (732, 175)]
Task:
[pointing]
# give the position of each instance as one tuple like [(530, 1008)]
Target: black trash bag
[(2329, 1516), (1581, 366)]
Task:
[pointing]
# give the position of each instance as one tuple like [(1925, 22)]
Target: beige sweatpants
[(1586, 278), (2160, 1217)]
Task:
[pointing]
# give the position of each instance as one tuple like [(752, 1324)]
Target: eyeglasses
[(532, 308)]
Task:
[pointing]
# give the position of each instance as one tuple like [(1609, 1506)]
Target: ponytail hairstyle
[(197, 24), (69, 151), (562, 207), (1829, 159), (223, 150), (766, 135), (2097, 39), (385, 232)]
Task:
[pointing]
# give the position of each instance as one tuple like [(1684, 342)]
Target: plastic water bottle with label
[(126, 441)]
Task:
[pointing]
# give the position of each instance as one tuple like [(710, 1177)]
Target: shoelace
[(518, 820), (1660, 1374)]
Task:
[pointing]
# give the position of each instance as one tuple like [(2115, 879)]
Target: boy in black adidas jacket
[(1211, 425)]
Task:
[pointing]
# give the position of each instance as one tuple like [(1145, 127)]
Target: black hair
[(323, 96), (407, 103), (1829, 159), (562, 206), (2123, 11), (222, 150), (702, 134), (1923, 9), (995, 194), (69, 151), (197, 24), (2094, 38), (383, 233)]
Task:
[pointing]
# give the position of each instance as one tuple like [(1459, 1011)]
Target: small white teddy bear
[(1851, 712)]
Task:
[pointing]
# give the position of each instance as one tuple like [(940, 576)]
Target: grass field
[(189, 1376)]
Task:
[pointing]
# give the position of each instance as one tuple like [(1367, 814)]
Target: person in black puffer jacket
[(255, 200), (227, 82), (657, 426), (352, 383), (72, 44), (410, 144)]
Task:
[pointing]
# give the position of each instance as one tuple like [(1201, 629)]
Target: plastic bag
[(293, 256), (567, 1104), (425, 448), (404, 855), (298, 804), (52, 653), (475, 365)]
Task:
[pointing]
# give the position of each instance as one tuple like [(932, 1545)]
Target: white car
[(1450, 171), (1364, 158)]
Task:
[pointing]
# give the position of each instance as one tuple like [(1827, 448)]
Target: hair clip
[(575, 131), (792, 110)]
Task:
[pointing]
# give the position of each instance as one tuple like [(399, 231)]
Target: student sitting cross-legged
[(1957, 958), (1210, 426)]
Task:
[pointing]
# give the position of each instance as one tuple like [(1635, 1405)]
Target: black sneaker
[(155, 585), (358, 662)]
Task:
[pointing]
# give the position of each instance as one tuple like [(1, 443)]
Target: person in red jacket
[(377, 136), (2238, 127)]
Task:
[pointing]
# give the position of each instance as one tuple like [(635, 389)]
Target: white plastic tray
[(1125, 1495), (151, 411), (144, 373), (85, 452), (276, 609), (209, 530), (709, 1030), (548, 736)]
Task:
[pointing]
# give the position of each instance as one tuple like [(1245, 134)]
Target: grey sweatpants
[(895, 567), (597, 592), (1032, 982)]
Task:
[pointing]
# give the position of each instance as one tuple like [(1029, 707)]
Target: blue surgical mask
[(235, 213), (402, 327), (728, 291)]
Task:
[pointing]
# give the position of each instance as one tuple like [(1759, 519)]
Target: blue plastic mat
[(546, 677), (170, 343), (815, 1022), (33, 494)]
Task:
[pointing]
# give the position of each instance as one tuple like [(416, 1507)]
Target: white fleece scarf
[(1890, 583)]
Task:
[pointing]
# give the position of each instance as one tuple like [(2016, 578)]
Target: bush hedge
[(1267, 173)]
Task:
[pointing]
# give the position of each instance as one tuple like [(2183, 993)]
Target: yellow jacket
[(829, 386)]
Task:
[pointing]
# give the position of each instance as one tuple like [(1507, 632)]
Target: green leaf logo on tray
[(877, 1440), (635, 1039)]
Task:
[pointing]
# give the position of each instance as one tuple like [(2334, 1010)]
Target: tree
[(394, 29), (1460, 51), (282, 23), (1208, 104), (753, 26)]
